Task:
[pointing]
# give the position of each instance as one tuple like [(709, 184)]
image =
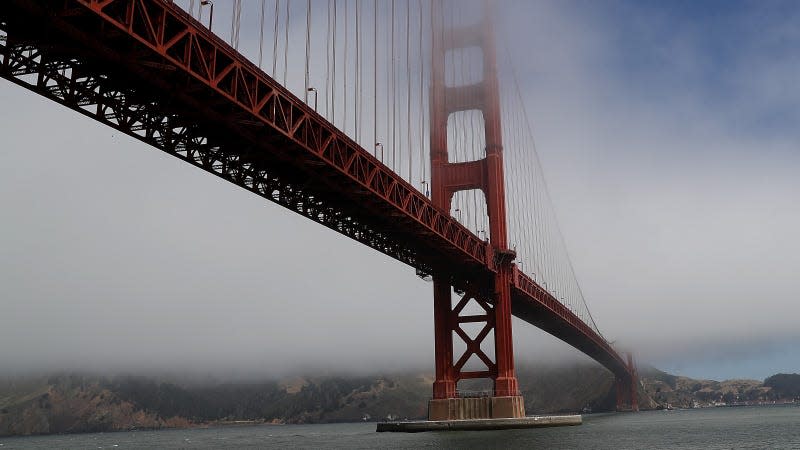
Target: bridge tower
[(448, 178), (628, 389)]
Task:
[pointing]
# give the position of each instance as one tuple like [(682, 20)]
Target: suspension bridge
[(397, 123)]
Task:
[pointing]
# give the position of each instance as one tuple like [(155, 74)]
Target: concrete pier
[(471, 408), (480, 424)]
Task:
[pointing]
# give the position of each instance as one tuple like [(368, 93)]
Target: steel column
[(445, 384), (485, 174)]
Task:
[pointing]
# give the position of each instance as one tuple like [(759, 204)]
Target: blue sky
[(754, 363), (668, 133), (728, 55)]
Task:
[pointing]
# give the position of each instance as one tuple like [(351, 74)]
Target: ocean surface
[(765, 427)]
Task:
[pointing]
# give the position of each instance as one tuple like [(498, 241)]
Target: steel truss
[(149, 70)]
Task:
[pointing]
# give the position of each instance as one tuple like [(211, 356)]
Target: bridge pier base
[(476, 408), (447, 403), (480, 424)]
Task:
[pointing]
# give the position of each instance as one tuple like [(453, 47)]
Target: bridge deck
[(148, 69)]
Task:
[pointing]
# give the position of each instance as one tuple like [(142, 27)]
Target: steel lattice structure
[(149, 70)]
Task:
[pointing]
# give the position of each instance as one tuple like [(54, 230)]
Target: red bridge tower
[(448, 178)]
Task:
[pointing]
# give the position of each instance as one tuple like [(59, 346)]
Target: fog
[(670, 144)]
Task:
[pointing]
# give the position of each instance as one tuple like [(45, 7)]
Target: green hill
[(785, 385)]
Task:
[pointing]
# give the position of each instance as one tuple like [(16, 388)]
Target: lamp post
[(211, 12), (377, 146), (314, 90)]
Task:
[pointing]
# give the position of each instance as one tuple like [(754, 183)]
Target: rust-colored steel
[(149, 70), (153, 46), (537, 306), (485, 174), (628, 389), (633, 386)]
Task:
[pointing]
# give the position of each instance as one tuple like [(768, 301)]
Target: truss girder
[(277, 132), (149, 70)]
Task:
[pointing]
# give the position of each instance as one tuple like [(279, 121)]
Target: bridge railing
[(540, 295), (175, 39)]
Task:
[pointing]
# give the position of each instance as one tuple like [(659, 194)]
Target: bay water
[(761, 427)]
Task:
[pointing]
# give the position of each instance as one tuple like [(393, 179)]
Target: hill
[(681, 392), (71, 403), (785, 385)]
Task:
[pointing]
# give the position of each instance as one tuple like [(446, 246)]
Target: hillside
[(85, 403), (681, 392), (71, 404), (784, 384)]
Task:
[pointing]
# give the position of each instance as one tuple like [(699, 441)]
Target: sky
[(667, 133)]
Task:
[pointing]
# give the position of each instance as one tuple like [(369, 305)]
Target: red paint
[(149, 70), (487, 175)]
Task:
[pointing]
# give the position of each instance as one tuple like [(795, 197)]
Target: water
[(775, 427)]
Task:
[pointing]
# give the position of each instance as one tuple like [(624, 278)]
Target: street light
[(458, 211), (425, 188), (211, 12), (379, 145), (314, 90), (484, 234)]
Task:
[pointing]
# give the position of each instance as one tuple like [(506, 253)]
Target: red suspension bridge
[(398, 124)]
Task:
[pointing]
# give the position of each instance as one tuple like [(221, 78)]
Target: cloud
[(677, 206)]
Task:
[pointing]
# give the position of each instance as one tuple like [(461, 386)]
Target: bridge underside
[(81, 62), (145, 68)]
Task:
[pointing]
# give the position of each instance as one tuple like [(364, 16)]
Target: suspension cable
[(308, 47), (408, 90), (374, 143), (275, 41), (261, 35), (286, 43)]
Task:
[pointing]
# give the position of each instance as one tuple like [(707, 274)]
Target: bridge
[(417, 145)]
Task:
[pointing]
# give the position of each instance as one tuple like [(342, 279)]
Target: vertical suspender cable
[(333, 79), (286, 44), (357, 90), (238, 21), (261, 35), (375, 77), (387, 88), (408, 90), (328, 63), (394, 100), (423, 163), (346, 66), (308, 45), (233, 21), (275, 41)]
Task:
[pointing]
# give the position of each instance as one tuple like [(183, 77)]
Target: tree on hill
[(785, 385)]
